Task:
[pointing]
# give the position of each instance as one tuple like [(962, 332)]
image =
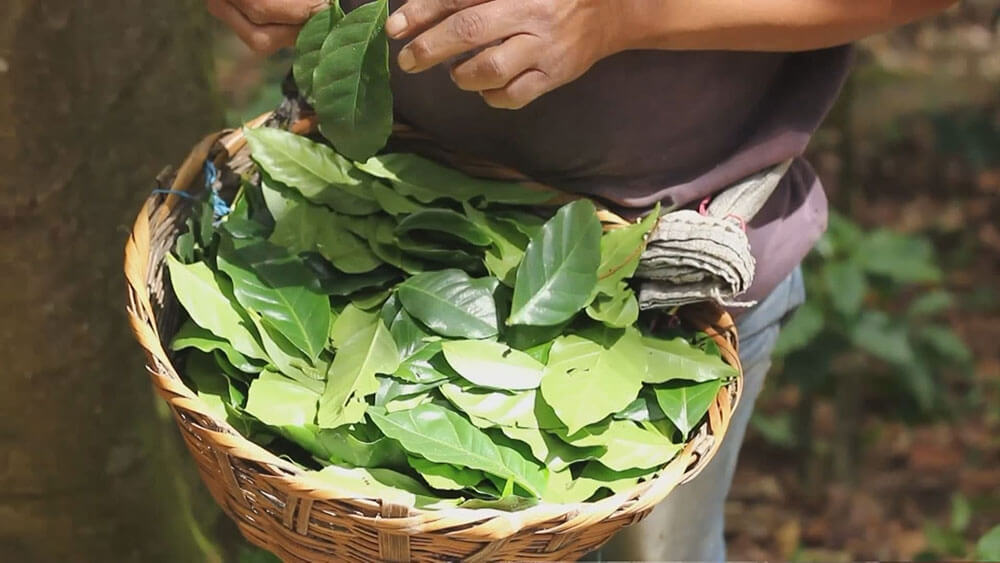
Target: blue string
[(219, 206)]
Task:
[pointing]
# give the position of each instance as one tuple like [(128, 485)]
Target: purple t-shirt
[(647, 126)]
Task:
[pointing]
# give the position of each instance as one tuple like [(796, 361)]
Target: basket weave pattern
[(283, 509)]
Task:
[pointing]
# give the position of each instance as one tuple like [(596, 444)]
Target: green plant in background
[(949, 541), (873, 320), (873, 294)]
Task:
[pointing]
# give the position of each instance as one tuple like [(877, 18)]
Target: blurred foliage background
[(878, 434)]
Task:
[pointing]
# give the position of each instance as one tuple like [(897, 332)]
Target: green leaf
[(503, 258), (392, 389), (876, 334), (541, 351), (902, 259), (301, 315), (523, 337), (961, 512), (379, 232), (184, 247), (564, 489), (278, 401), (427, 365), (444, 221), (287, 359), (553, 452), (251, 196), (308, 45), (446, 255), (393, 202), (843, 235), (527, 223), (383, 484), (191, 335), (777, 430), (620, 252), (493, 365), (451, 303), (930, 304), (212, 384), (559, 272), (988, 546), (945, 342), (678, 359), (805, 325), (510, 503), (686, 403), (443, 436), (371, 299), (446, 477), (350, 321), (619, 309), (364, 348), (275, 265), (333, 282), (311, 228), (240, 228), (629, 446), (278, 199), (348, 446), (206, 227), (524, 409), (609, 377), (351, 83), (409, 336), (408, 403), (209, 301), (943, 540), (846, 285), (643, 409), (426, 181), (312, 169)]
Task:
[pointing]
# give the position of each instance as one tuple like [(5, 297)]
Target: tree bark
[(95, 97)]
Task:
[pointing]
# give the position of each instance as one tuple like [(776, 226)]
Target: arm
[(544, 44), (530, 47), (767, 25)]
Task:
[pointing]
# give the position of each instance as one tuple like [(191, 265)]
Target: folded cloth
[(694, 256)]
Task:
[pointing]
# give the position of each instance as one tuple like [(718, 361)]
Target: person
[(635, 102)]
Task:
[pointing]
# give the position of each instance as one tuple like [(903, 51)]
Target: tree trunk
[(95, 97)]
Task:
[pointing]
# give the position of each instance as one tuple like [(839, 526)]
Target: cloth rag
[(694, 256)]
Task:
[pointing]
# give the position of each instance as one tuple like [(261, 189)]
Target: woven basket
[(283, 509)]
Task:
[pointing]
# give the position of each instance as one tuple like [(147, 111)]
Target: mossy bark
[(95, 97)]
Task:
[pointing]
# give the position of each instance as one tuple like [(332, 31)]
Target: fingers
[(460, 32), (417, 15), (521, 91), (497, 66), (265, 39), (292, 12)]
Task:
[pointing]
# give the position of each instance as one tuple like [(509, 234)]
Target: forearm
[(763, 25)]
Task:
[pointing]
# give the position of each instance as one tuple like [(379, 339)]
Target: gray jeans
[(688, 525)]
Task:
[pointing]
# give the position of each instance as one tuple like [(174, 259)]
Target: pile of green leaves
[(418, 334)]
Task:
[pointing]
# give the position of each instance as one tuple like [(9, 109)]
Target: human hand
[(531, 46), (265, 25)]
